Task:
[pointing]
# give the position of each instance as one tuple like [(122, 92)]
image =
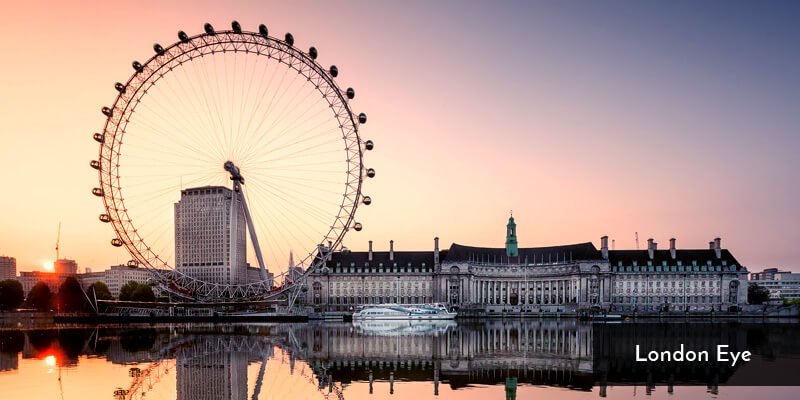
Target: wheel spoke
[(258, 102)]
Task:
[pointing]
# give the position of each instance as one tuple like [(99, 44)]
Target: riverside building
[(565, 278), (8, 268), (204, 245), (780, 284)]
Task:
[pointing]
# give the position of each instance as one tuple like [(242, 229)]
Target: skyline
[(644, 118)]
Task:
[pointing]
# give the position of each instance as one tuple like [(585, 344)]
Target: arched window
[(317, 289)]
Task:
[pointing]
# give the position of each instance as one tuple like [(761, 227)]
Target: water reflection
[(251, 361)]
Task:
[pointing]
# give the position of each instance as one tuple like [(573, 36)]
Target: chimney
[(604, 247), (436, 251), (370, 250), (711, 245), (651, 248), (391, 250), (718, 247), (672, 248)]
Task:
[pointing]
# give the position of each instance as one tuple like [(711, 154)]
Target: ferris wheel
[(228, 148)]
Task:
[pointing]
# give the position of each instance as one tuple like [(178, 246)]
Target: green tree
[(70, 296), (757, 294), (789, 302), (99, 290), (126, 291), (11, 294), (40, 297), (143, 293)]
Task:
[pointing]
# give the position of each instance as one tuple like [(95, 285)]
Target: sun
[(50, 361), (48, 265)]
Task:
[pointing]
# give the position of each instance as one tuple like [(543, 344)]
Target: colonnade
[(549, 291)]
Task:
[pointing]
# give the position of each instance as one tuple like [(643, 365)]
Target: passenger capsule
[(120, 87), (107, 111), (209, 29), (351, 93), (367, 200), (95, 164), (133, 263), (304, 288), (262, 29), (369, 145), (105, 218), (362, 118), (183, 36), (236, 27), (99, 137), (357, 226), (288, 38), (116, 242), (137, 66), (97, 192), (312, 52), (371, 173), (334, 71), (158, 49)]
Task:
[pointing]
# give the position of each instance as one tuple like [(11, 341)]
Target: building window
[(733, 296)]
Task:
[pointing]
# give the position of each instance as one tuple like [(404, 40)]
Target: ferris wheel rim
[(135, 88)]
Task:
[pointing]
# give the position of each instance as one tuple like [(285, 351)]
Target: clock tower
[(511, 238)]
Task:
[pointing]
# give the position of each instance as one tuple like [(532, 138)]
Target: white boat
[(431, 311)]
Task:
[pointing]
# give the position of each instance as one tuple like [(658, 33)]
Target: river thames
[(495, 359)]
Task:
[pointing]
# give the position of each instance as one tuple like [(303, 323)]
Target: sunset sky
[(673, 119)]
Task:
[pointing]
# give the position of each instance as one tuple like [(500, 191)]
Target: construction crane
[(58, 240), (637, 240)]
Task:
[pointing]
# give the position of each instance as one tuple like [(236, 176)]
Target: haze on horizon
[(587, 119)]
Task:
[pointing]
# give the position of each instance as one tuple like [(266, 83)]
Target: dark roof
[(579, 251), (686, 257), (400, 257)]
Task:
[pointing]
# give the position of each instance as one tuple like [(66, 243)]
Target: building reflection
[(547, 352), (212, 361), (219, 376)]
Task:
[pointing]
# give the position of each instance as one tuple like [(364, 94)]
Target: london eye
[(253, 120)]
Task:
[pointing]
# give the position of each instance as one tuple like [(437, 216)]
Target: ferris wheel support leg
[(252, 230), (295, 292), (257, 390)]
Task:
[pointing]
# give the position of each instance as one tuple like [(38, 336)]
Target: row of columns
[(551, 291), (575, 342)]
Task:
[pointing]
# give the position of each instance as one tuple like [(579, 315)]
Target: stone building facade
[(8, 268), (354, 278), (565, 278), (204, 244)]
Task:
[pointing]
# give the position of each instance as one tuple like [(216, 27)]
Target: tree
[(11, 294), (143, 293), (99, 290), (40, 297), (126, 291), (70, 296), (789, 302), (757, 294)]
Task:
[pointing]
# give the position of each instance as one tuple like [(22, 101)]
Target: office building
[(204, 244)]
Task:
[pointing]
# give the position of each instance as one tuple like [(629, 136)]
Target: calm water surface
[(501, 359)]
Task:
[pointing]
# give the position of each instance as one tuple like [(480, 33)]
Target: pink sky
[(583, 122)]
